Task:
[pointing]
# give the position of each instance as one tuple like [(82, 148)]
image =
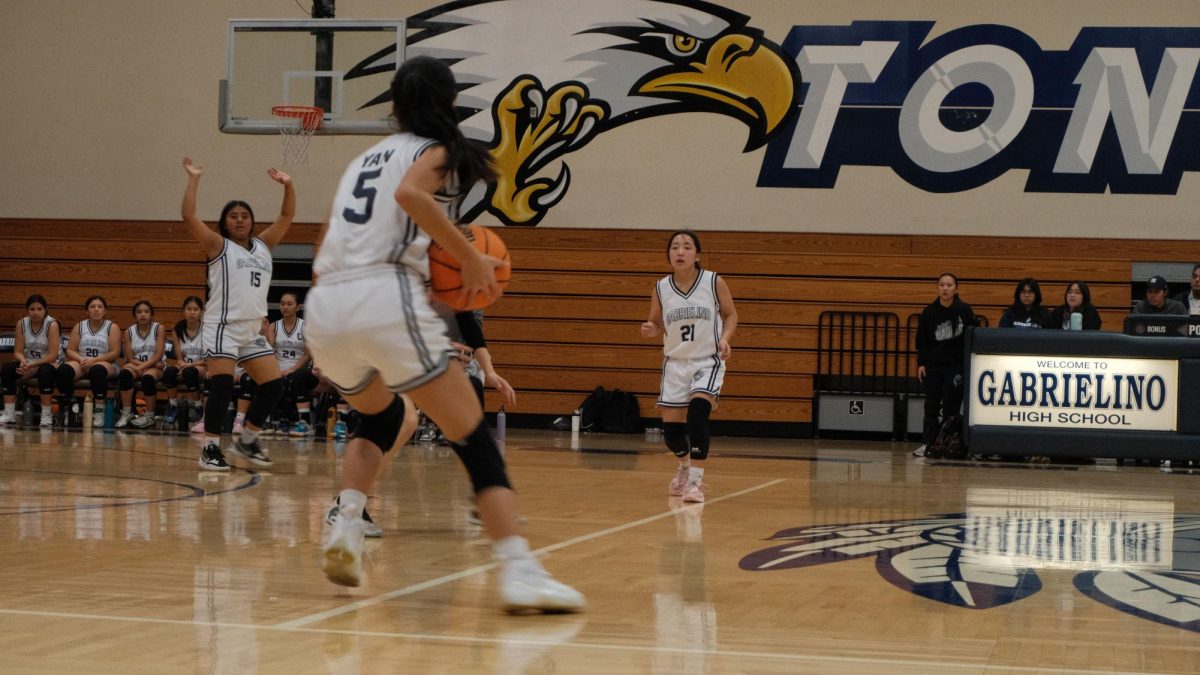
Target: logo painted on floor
[(1146, 565)]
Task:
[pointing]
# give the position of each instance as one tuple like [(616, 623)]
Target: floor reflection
[(683, 615)]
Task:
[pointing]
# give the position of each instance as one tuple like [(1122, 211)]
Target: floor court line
[(599, 646), (409, 590)]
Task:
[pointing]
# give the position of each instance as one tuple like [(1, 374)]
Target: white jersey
[(289, 347), (37, 345), (691, 317), (237, 283), (367, 228), (191, 346), (143, 347), (93, 344)]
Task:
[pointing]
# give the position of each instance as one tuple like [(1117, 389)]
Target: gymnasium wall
[(103, 99)]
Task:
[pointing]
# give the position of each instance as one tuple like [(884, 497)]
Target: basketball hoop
[(297, 124)]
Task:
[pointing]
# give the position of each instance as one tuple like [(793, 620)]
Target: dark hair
[(695, 242), (139, 303), (1033, 286), (35, 298), (295, 295), (1195, 267), (423, 93), (190, 299), (1083, 290), (948, 274), (233, 204), (88, 302)]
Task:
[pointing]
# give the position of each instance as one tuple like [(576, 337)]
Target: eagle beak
[(747, 79)]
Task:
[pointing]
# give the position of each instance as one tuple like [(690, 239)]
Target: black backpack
[(622, 415), (592, 409), (949, 443)]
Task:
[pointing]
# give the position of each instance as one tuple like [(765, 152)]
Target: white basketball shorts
[(358, 326), (683, 377), (238, 340)]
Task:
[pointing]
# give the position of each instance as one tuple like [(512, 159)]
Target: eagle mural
[(540, 79)]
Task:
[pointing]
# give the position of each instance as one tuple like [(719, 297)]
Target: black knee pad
[(45, 378), (98, 376), (65, 379), (191, 378), (150, 385), (125, 379), (481, 457), (697, 427), (246, 387), (382, 428), (220, 392), (266, 397), (9, 371), (170, 378), (675, 436)]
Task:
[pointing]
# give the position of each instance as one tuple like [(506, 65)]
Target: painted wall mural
[(1118, 112)]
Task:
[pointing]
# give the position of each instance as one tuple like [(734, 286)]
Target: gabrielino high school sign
[(1078, 392)]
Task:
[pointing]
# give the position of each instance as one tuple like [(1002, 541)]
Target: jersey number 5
[(363, 191)]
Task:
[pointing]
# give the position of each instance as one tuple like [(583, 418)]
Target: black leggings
[(44, 376), (943, 395)]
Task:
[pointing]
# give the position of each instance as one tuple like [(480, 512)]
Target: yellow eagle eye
[(682, 45)]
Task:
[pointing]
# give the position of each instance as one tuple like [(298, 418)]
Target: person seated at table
[(1156, 301), (1190, 299), (1076, 299), (1026, 311)]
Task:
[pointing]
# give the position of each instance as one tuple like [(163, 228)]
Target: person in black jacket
[(1026, 310), (1156, 301), (940, 355), (1190, 299), (1077, 298)]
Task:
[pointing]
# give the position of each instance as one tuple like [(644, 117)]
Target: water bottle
[(501, 421), (1076, 321), (27, 415), (88, 409), (330, 422), (576, 419), (183, 416), (110, 413)]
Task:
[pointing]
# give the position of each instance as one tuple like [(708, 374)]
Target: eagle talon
[(534, 127)]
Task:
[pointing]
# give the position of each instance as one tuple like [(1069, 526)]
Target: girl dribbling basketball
[(372, 332), (693, 310)]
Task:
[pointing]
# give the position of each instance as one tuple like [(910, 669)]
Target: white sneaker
[(98, 420), (342, 552), (7, 419), (47, 418), (919, 452), (525, 585), (143, 420), (123, 420)]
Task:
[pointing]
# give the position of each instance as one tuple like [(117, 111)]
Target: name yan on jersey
[(378, 158), (684, 313)]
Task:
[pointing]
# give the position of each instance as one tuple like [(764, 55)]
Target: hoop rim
[(310, 116)]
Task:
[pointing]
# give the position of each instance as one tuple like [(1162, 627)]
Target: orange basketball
[(445, 273)]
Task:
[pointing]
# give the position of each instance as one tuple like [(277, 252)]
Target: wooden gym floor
[(119, 555)]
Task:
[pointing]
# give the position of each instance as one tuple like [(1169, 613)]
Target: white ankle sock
[(511, 548), (352, 502), (695, 475)]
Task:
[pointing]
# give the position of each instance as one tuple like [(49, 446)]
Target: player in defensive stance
[(693, 310), (239, 273), (372, 332)]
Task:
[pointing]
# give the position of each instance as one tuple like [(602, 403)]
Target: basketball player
[(189, 361), (239, 273), (37, 351), (92, 351), (693, 310), (373, 334), (145, 344), (295, 364)]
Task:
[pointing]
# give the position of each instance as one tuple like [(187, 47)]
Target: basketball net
[(297, 124)]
